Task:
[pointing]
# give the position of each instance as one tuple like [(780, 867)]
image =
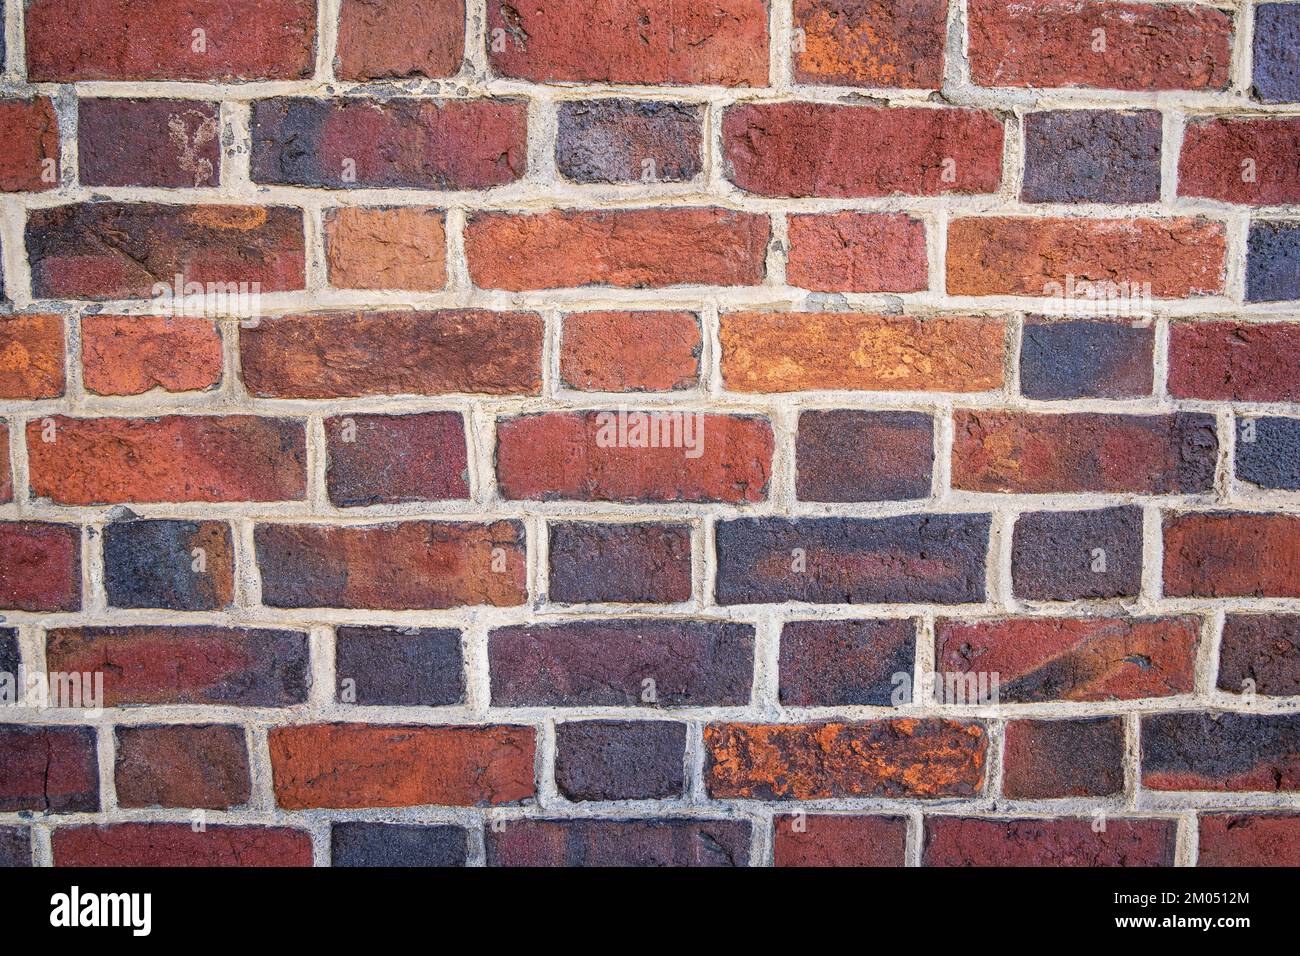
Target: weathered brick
[(387, 39), (386, 459), (1273, 262), (133, 354), (115, 250), (1054, 43), (864, 456), (634, 456), (1277, 53), (839, 840), (386, 247), (1219, 751), (372, 765), (10, 655), (182, 766), (1249, 839), (187, 665), (181, 565), (662, 663), (6, 479), (173, 458), (931, 558), (806, 351), (31, 356), (1260, 653), (399, 667), (1063, 758), (393, 353), (144, 142), (40, 566), (1235, 361), (620, 759), (1232, 554), (602, 842), (1241, 160), (1069, 555), (70, 40), (722, 43), (402, 566), (1051, 658), (1026, 453), (30, 132), (887, 758), (49, 769), (179, 844), (624, 141), (633, 248), (1086, 358), (1099, 156), (844, 663), (863, 150), (870, 43), (968, 841), (630, 351), (356, 843), (1129, 258), (15, 846), (857, 252), (642, 562), (1268, 452)]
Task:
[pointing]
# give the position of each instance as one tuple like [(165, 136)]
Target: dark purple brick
[(399, 667), (1277, 53), (619, 141), (864, 456), (1092, 156), (620, 759), (1263, 649), (388, 459), (593, 562), (1268, 452), (1067, 555), (1043, 759), (179, 565), (10, 657), (661, 663), (1086, 358), (1237, 752), (1273, 262), (835, 663), (131, 142), (619, 843), (355, 843), (15, 847), (910, 558), (48, 769)]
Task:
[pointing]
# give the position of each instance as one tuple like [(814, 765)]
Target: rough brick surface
[(31, 136), (839, 840), (51, 769), (181, 565), (386, 459), (1068, 555), (412, 667), (1268, 452), (40, 566), (383, 39), (1260, 653), (179, 844), (639, 563), (674, 842), (857, 252), (1092, 156), (1222, 554), (630, 351), (386, 248), (397, 844), (31, 356), (864, 456), (169, 143), (1241, 161), (131, 355), (1219, 751), (1086, 358), (1063, 758), (1277, 53), (1249, 839), (182, 766), (1234, 361), (620, 760), (870, 43), (621, 141), (837, 663), (962, 841), (1273, 262)]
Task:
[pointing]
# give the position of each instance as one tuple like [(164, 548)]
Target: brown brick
[(30, 131), (1232, 554), (130, 355), (870, 43), (864, 456), (630, 351), (31, 356), (1063, 758), (839, 840), (182, 766), (141, 142), (398, 247)]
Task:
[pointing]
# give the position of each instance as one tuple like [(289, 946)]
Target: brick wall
[(970, 329)]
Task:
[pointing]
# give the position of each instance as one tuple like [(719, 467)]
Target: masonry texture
[(677, 432)]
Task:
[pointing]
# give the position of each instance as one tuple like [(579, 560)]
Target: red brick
[(179, 844), (632, 248), (113, 250), (1232, 554), (372, 765), (839, 840), (49, 769), (806, 351), (381, 39), (1235, 361), (1214, 151), (386, 459), (1249, 839), (31, 356), (857, 252), (870, 42), (716, 42), (1006, 255), (30, 131), (70, 40), (1026, 453), (630, 351), (890, 758), (6, 479), (1148, 46), (406, 566), (1051, 658), (576, 456), (182, 766), (607, 843), (862, 150), (132, 354), (174, 458), (40, 566), (139, 142), (1063, 758), (398, 247), (967, 841), (393, 353)]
